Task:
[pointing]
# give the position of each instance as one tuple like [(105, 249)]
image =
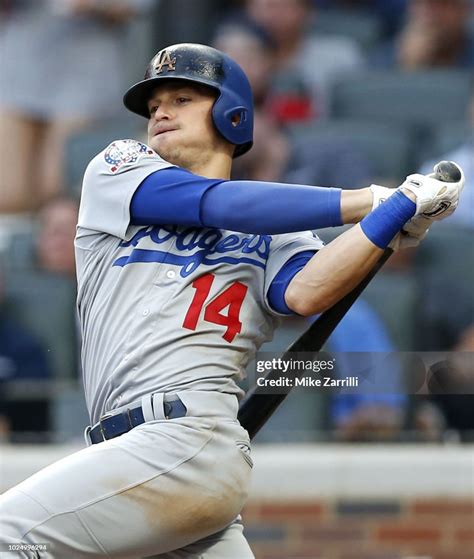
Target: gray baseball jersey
[(165, 307)]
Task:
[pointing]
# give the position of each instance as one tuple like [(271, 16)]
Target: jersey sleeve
[(110, 182), (282, 249)]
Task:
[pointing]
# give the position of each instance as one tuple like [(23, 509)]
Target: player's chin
[(162, 138), (163, 146)]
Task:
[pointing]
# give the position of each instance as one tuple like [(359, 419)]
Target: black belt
[(111, 426)]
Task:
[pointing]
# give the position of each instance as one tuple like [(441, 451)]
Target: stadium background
[(335, 478)]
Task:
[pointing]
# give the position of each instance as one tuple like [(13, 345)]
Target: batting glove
[(413, 232), (435, 199), (380, 194), (418, 226)]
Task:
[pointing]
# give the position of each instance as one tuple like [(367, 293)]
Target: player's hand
[(380, 194), (413, 232), (417, 226), (435, 198)]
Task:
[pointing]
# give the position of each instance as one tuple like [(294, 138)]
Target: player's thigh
[(105, 499), (229, 543), (19, 139)]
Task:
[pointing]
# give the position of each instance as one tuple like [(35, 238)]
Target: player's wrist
[(382, 224), (355, 204), (408, 193)]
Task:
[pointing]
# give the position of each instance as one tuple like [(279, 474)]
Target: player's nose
[(163, 112)]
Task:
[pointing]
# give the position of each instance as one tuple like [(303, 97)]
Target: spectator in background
[(305, 65), (277, 156), (42, 282), (61, 69), (435, 35), (22, 358), (55, 256), (464, 156), (57, 222)]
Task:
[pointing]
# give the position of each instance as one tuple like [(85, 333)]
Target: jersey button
[(146, 312), (171, 274)]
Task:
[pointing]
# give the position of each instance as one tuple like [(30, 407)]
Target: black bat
[(256, 408)]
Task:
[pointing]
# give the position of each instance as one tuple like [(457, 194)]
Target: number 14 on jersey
[(232, 297)]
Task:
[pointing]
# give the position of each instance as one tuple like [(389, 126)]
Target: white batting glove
[(413, 232), (435, 199), (380, 194), (418, 226)]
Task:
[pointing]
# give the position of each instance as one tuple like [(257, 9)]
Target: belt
[(113, 425)]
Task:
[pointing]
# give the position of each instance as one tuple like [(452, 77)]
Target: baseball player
[(182, 274)]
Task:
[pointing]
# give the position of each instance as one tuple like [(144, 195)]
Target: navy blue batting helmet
[(208, 66)]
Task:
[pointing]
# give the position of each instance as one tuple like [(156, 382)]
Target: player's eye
[(182, 100), (153, 109)]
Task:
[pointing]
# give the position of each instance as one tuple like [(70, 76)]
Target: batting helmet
[(211, 67)]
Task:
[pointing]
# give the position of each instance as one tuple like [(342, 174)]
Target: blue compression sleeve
[(382, 224), (276, 292), (179, 197), (273, 207)]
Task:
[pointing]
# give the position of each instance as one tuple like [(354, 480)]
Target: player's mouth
[(161, 131)]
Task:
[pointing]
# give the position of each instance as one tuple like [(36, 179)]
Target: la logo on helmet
[(165, 60)]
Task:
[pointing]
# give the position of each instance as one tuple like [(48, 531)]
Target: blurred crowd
[(347, 93)]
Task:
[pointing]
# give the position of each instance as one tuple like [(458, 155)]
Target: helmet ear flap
[(234, 121), (237, 116)]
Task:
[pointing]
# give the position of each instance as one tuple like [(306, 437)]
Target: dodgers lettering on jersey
[(213, 247), (165, 307)]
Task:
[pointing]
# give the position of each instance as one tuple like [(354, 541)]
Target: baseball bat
[(256, 408)]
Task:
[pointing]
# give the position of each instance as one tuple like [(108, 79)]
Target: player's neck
[(217, 167)]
